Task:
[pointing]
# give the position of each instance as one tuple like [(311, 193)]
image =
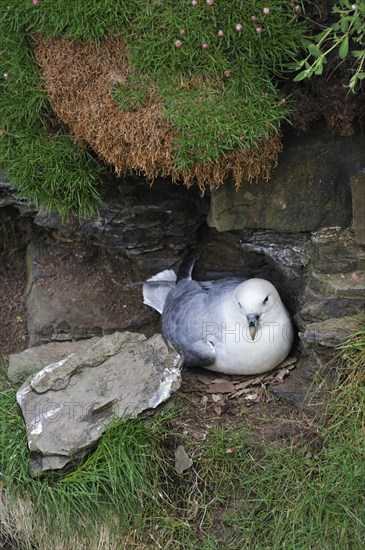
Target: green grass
[(301, 493), (40, 158)]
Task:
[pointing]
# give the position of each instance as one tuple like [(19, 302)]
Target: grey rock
[(137, 217), (182, 460), (358, 206), (309, 189), (32, 360), (330, 332), (72, 297), (69, 404)]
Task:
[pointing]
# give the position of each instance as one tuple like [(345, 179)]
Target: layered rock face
[(303, 231)]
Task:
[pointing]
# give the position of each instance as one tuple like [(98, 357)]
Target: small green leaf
[(360, 76), (298, 64), (344, 24), (344, 48), (302, 76), (319, 69), (322, 35), (358, 53), (314, 50), (358, 24)]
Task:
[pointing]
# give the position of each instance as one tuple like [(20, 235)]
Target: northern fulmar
[(232, 325)]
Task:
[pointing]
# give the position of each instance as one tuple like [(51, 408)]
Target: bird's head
[(253, 301)]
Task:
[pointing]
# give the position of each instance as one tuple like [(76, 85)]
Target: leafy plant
[(347, 35)]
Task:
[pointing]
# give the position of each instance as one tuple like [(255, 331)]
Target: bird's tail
[(156, 289), (187, 265)]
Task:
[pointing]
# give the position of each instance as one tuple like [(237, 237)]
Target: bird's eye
[(266, 300)]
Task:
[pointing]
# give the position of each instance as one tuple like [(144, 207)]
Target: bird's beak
[(253, 321)]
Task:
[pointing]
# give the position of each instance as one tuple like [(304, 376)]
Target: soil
[(13, 281)]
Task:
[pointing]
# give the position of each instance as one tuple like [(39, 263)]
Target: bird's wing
[(184, 319)]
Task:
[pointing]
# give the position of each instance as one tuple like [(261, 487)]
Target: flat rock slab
[(69, 404), (32, 360)]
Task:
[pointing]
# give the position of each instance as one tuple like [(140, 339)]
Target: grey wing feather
[(183, 320)]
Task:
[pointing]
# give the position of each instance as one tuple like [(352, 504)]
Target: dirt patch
[(255, 407), (13, 280)]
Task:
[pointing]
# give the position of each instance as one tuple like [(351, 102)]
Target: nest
[(79, 78)]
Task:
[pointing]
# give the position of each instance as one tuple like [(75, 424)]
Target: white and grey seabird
[(232, 326)]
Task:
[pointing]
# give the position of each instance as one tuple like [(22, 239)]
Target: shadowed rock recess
[(303, 231)]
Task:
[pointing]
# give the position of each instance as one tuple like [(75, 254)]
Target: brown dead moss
[(79, 79)]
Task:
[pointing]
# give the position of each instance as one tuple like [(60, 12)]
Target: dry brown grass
[(19, 526), (79, 79)]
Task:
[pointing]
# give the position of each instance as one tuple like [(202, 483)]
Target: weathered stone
[(336, 251), (330, 332), (32, 360), (358, 206), (69, 404), (331, 299), (182, 460), (333, 295), (138, 218), (69, 298), (309, 189)]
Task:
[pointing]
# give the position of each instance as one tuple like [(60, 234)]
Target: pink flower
[(229, 451), (215, 144), (220, 34), (210, 2), (282, 101), (178, 43), (253, 17), (259, 30), (194, 3), (205, 46), (227, 73), (242, 138), (239, 27), (266, 11), (181, 32), (297, 8), (35, 2)]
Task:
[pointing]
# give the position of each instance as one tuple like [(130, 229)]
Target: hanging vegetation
[(176, 88)]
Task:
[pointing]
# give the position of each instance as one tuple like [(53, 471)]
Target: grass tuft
[(41, 160), (220, 106)]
